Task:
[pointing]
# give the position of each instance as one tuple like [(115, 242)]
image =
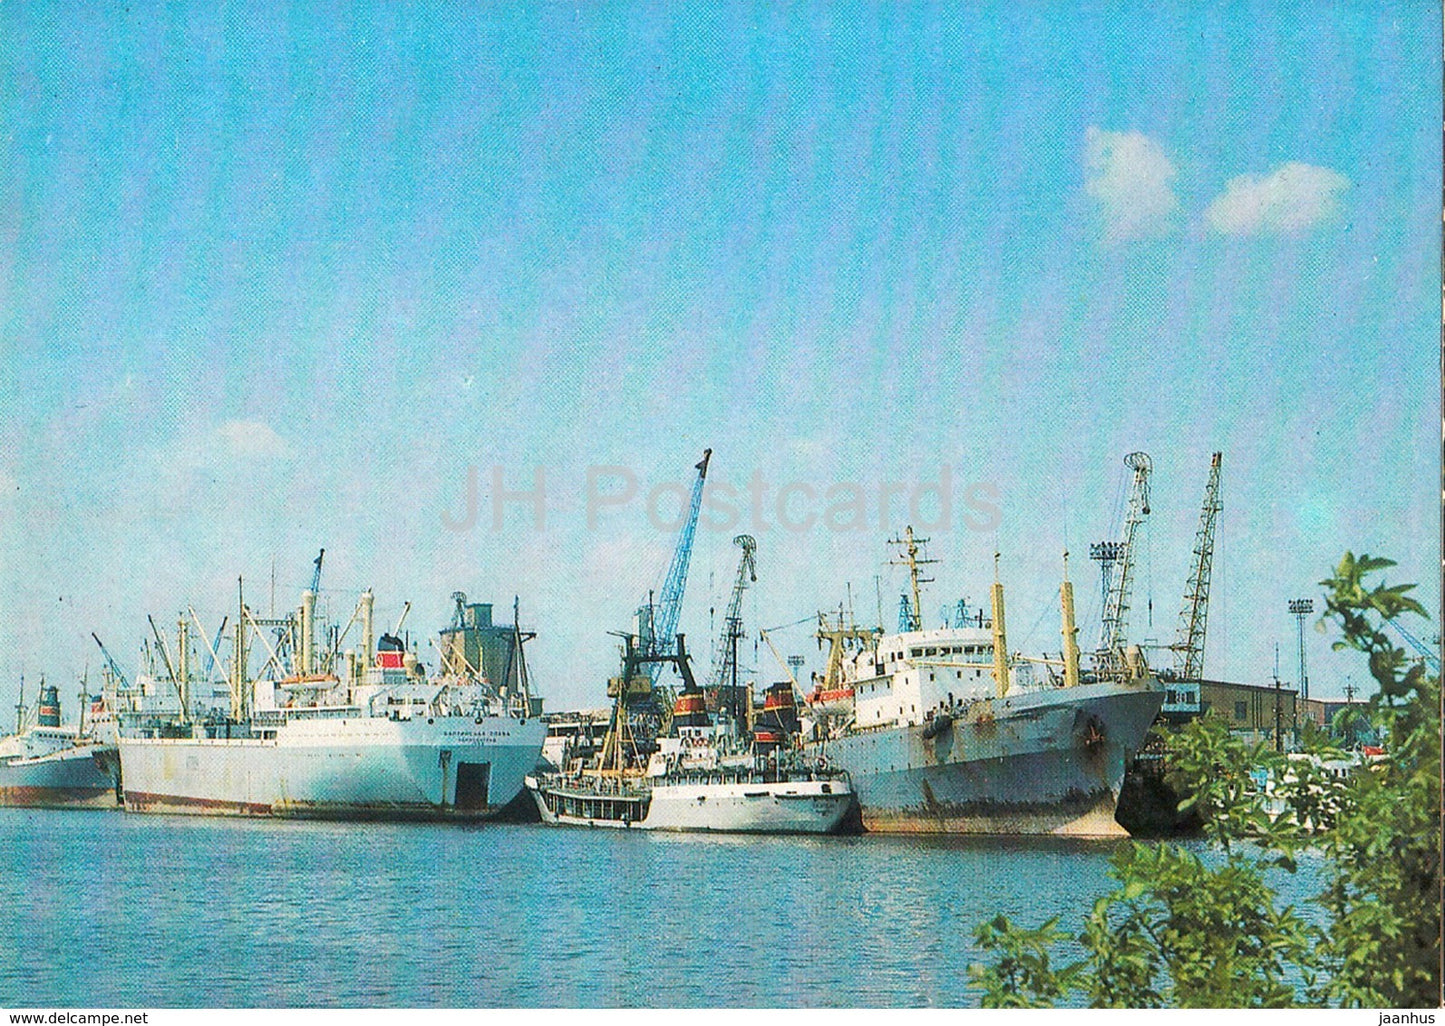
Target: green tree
[(1178, 931)]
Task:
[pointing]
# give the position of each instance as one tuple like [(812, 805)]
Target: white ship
[(942, 731), (342, 735), (703, 777), (53, 765)]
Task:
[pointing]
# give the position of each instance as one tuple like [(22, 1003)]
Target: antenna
[(910, 558)]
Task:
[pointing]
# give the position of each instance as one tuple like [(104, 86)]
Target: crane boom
[(316, 574), (1432, 659), (725, 662), (659, 630), (1110, 657), (779, 657), (110, 662), (1194, 617)]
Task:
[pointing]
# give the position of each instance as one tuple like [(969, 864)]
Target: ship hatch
[(472, 785)]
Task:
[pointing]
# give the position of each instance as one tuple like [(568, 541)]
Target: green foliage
[(1204, 932), (1384, 892), (1022, 977), (1181, 932)]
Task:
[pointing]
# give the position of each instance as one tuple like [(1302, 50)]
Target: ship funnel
[(1000, 636), (49, 712), (1070, 630)]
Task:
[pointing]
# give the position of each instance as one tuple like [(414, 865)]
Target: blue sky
[(272, 281)]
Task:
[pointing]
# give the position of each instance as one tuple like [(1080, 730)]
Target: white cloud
[(252, 438), (1289, 199), (1128, 176)]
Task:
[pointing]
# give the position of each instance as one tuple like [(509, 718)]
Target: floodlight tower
[(1299, 609)]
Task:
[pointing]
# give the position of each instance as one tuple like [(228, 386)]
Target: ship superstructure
[(339, 734)]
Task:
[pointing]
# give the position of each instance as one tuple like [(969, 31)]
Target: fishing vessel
[(705, 774), (54, 765), (946, 732), (324, 733)]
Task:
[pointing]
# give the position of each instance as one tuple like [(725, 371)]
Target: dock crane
[(112, 665), (1110, 657), (1194, 617), (658, 622), (1431, 658), (725, 662)]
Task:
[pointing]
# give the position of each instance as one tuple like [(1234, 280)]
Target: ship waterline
[(747, 807), (1039, 762), (51, 765), (73, 778)]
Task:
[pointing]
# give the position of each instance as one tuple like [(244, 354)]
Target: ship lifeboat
[(831, 701)]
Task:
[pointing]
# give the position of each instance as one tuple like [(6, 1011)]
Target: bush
[(1179, 932)]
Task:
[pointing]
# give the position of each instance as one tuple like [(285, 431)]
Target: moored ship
[(944, 735), (705, 775), (53, 765), (344, 735)]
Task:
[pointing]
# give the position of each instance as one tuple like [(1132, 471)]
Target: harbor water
[(112, 910)]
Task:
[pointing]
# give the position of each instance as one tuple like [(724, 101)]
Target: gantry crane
[(1113, 638), (1194, 617)]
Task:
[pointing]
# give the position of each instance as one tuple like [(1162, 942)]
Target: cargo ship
[(52, 765), (347, 735), (705, 774), (942, 731)]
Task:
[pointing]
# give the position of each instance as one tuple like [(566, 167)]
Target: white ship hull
[(343, 768), (781, 807)]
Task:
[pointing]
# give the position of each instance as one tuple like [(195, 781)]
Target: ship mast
[(838, 637), (909, 545), (1070, 630), (239, 705), (1000, 637)]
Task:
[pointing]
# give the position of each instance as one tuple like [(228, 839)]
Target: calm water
[(107, 909)]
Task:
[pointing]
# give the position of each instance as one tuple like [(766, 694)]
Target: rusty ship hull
[(1049, 761)]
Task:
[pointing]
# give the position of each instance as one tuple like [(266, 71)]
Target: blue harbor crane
[(1432, 659), (114, 667), (657, 622), (316, 574), (211, 652)]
